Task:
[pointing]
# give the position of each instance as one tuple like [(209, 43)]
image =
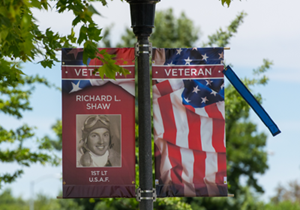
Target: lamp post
[(142, 20), (36, 181)]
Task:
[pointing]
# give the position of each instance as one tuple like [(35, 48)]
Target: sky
[(270, 31)]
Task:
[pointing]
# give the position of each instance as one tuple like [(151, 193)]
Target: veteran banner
[(189, 122), (98, 127)]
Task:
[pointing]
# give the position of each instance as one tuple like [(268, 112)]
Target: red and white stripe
[(191, 142), (202, 129)]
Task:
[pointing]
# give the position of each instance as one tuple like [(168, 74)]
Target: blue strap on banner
[(249, 98)]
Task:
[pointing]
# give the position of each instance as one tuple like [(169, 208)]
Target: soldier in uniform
[(95, 145)]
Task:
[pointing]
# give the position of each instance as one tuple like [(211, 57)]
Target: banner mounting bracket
[(137, 50), (139, 194)]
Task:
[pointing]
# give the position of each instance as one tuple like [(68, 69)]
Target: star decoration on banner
[(196, 89), (198, 95), (221, 55), (204, 100), (178, 51), (187, 100), (222, 86), (204, 57), (75, 52), (171, 64), (188, 61), (208, 82), (213, 92), (75, 87)]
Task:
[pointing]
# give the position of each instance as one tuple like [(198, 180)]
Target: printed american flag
[(78, 76), (189, 122)]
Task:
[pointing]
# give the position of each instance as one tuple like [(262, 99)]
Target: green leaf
[(94, 33), (93, 10), (82, 34), (46, 63), (76, 21), (227, 2), (89, 51)]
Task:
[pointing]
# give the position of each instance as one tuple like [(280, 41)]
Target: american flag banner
[(189, 122)]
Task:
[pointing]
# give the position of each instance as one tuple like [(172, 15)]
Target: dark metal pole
[(144, 111), (142, 19)]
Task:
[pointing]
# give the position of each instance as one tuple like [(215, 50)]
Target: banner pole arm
[(250, 99)]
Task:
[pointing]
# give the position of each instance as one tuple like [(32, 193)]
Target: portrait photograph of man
[(98, 141)]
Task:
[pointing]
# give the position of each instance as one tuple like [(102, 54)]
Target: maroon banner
[(98, 122), (189, 122)]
